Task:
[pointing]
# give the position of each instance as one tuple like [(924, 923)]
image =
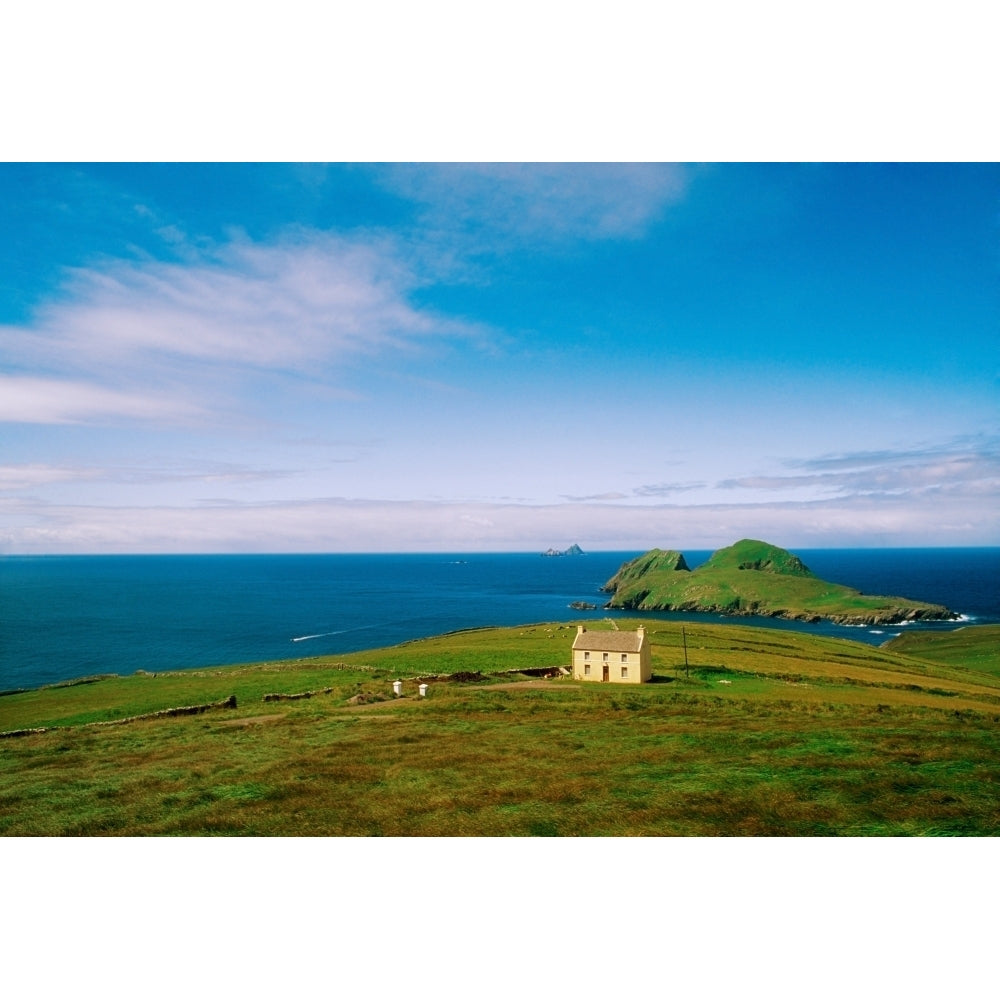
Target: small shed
[(611, 656)]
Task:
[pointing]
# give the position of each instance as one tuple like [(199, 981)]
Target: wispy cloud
[(160, 340), (31, 475), (286, 306), (549, 202), (27, 399), (666, 489), (646, 492), (950, 467), (596, 497), (343, 525), (886, 456)]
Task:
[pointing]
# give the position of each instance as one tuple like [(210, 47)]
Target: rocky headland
[(755, 578)]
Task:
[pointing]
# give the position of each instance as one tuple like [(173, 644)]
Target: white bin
[(397, 688), (423, 690)]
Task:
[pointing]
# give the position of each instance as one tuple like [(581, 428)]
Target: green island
[(755, 578), (744, 731)]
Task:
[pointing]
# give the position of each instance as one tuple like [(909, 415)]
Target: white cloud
[(25, 399), (951, 467), (285, 306), (666, 489), (341, 525), (591, 498), (45, 488), (543, 201), (155, 340), (32, 475)]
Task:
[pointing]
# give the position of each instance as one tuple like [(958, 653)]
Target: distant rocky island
[(755, 578), (573, 550)]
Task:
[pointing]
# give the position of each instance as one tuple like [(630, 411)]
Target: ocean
[(63, 617)]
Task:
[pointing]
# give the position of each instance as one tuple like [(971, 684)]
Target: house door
[(607, 674)]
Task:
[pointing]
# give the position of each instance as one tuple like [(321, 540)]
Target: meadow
[(760, 733)]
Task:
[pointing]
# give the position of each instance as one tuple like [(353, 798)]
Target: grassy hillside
[(754, 578), (764, 733), (973, 648)]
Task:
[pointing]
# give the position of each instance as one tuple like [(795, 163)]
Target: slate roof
[(611, 642)]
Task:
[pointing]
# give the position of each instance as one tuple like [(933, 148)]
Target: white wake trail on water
[(319, 635), (358, 628)]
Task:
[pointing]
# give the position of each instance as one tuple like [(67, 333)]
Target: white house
[(615, 657)]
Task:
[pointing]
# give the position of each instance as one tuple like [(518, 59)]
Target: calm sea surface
[(70, 616)]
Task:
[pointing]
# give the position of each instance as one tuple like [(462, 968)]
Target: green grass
[(973, 648), (766, 733)]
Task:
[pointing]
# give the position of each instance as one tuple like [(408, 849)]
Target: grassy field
[(977, 647), (764, 733)]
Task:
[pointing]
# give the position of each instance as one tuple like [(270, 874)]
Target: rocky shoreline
[(890, 616)]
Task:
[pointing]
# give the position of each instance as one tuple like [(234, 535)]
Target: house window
[(586, 656), (624, 672), (586, 670), (624, 657), (605, 657)]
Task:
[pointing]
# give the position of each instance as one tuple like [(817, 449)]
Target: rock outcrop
[(573, 550)]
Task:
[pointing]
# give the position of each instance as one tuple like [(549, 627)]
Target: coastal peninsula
[(755, 578)]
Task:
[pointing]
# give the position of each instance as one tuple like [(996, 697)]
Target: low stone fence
[(164, 713), (295, 697), (470, 676)]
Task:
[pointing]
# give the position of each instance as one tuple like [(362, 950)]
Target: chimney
[(580, 629), (641, 632)]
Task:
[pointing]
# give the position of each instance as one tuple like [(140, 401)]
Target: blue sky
[(357, 357)]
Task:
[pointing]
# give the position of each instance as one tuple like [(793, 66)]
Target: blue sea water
[(71, 616)]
